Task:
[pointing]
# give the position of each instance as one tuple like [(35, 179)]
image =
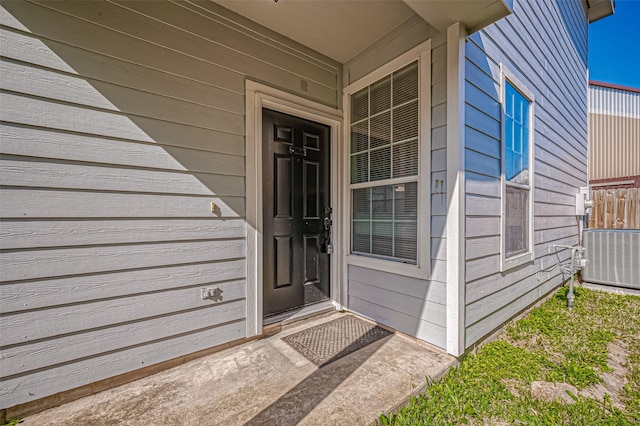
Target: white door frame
[(257, 97)]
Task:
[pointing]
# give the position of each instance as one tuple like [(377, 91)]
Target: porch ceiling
[(474, 14), (340, 29), (337, 29)]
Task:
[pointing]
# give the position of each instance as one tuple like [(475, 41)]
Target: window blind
[(384, 146)]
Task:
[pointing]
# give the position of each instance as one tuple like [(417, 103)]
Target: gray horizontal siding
[(43, 354), (21, 234), (67, 319), (121, 123), (414, 306), (22, 171), (52, 144), (55, 262), (26, 203), (128, 358), (544, 45), (405, 36), (70, 290)]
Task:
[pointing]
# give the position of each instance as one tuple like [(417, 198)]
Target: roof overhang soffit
[(598, 9), (473, 14), (341, 29)]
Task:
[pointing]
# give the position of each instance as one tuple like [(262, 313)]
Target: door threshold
[(298, 314)]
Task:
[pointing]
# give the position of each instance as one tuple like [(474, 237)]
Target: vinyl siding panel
[(130, 357), (544, 45), (28, 141), (121, 123), (405, 36), (614, 133), (414, 306), (56, 262), (44, 354), (70, 233), (77, 289)]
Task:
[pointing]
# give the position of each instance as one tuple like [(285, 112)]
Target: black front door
[(296, 212)]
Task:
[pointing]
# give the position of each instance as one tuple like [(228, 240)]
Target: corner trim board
[(455, 225)]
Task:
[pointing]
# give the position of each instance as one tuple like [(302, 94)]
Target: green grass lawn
[(549, 344)]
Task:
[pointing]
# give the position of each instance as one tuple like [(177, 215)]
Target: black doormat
[(335, 339)]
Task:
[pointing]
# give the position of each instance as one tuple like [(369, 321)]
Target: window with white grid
[(384, 167), (517, 144)]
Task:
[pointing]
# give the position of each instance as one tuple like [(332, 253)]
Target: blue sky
[(614, 49)]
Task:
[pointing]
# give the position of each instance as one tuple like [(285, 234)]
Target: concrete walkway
[(264, 382)]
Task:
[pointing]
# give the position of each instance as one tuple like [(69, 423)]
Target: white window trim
[(257, 97), (528, 256), (421, 269)]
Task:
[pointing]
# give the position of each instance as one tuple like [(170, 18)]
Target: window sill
[(398, 268), (514, 262)]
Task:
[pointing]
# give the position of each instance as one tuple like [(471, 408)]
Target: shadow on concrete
[(298, 402)]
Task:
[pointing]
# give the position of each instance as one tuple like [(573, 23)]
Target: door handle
[(327, 218), (327, 247)]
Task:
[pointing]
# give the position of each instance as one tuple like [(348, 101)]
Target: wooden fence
[(615, 208)]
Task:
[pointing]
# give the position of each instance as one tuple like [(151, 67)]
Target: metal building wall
[(614, 132)]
